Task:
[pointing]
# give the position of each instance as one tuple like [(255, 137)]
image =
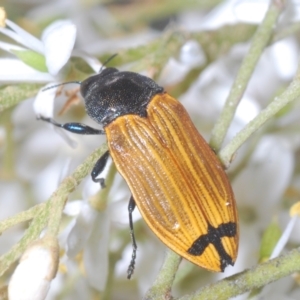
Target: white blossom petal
[(285, 53), (90, 187), (44, 106), (192, 54), (66, 137), (251, 11), (8, 47), (219, 16), (65, 170), (16, 70), (59, 39), (81, 230), (173, 72), (33, 275), (284, 238), (23, 37), (262, 184), (44, 101), (95, 254), (73, 208)]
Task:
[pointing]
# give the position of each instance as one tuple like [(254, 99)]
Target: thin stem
[(31, 234), (254, 278), (161, 289), (51, 212), (290, 30), (260, 40), (21, 217), (59, 197), (12, 95), (290, 94)]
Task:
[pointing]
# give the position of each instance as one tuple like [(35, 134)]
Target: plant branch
[(260, 40), (59, 197), (254, 278), (12, 95), (291, 29), (161, 289), (290, 94), (51, 213), (21, 217), (31, 234)]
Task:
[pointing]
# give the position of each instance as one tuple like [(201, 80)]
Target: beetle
[(175, 178)]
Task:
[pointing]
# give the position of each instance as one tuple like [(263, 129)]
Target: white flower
[(45, 97), (89, 232), (58, 39), (47, 55), (37, 268), (41, 61)]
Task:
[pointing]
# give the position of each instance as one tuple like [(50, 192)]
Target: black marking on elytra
[(213, 237)]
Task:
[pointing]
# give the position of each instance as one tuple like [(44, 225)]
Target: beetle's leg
[(131, 207), (99, 167), (73, 127)]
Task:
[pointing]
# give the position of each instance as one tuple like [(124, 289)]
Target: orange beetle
[(175, 178)]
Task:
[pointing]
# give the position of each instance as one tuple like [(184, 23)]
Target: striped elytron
[(175, 178)]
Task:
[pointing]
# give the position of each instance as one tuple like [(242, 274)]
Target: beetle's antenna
[(79, 82), (59, 84), (107, 61)]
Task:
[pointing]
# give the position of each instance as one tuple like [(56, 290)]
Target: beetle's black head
[(111, 94)]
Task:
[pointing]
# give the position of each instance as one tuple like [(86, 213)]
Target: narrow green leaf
[(32, 59), (269, 240), (12, 95)]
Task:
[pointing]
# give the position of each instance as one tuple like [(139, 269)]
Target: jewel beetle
[(175, 178)]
